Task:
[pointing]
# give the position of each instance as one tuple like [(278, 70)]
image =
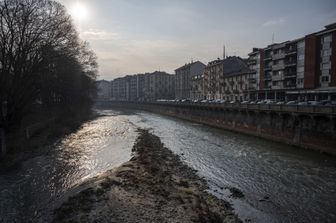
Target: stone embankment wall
[(306, 127)]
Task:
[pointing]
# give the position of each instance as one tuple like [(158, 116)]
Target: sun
[(79, 11)]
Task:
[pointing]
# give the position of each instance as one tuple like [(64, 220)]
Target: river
[(280, 183)]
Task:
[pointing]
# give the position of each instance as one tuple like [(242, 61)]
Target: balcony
[(290, 52), (277, 87), (251, 62), (290, 63), (278, 56), (290, 74), (277, 77), (291, 86), (278, 66), (252, 80), (268, 77), (268, 68)]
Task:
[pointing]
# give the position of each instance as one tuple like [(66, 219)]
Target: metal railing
[(305, 109)]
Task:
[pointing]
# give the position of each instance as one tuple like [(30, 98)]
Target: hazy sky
[(136, 36)]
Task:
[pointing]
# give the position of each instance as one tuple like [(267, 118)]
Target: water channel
[(280, 183)]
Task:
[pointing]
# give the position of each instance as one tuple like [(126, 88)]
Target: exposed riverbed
[(280, 183)]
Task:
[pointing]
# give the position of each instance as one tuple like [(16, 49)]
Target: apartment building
[(197, 87), (235, 79), (143, 87), (183, 76), (118, 89), (134, 87), (159, 85), (301, 69), (226, 79), (256, 69), (213, 80)]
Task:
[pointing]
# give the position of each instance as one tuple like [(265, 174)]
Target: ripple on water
[(300, 184), (97, 146)]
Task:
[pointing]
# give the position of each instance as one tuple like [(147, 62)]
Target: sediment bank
[(154, 186), (21, 148)]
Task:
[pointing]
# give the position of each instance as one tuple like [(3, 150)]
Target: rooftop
[(234, 66), (188, 65)]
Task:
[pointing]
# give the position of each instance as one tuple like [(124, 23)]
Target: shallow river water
[(280, 183)]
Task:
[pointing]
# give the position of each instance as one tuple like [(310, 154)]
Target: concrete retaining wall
[(309, 130)]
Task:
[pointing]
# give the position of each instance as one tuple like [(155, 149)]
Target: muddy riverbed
[(154, 186), (280, 183)]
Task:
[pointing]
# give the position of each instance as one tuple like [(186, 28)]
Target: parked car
[(204, 101), (245, 102), (303, 103), (280, 103), (326, 102), (260, 102), (269, 102), (291, 103), (315, 102)]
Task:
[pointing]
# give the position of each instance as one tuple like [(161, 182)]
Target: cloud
[(274, 22), (95, 34)]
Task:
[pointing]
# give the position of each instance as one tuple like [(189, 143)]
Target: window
[(326, 66), (325, 72), (300, 81), (326, 59), (301, 51), (300, 69), (326, 52), (301, 57), (325, 78), (326, 39), (300, 63), (301, 44)]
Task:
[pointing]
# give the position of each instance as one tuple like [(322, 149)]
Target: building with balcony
[(159, 85), (197, 87), (134, 87), (301, 69), (235, 79), (213, 80), (183, 76), (118, 89), (256, 74), (143, 87), (226, 79)]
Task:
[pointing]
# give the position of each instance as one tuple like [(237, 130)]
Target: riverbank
[(21, 148), (154, 186)]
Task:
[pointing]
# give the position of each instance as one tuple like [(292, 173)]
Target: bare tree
[(37, 41)]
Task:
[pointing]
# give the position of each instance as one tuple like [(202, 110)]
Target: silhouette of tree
[(42, 58)]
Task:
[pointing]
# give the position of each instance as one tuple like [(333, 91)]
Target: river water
[(280, 183)]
